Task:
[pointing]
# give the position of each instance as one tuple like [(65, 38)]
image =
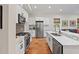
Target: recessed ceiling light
[(49, 7), (60, 10), (35, 6)]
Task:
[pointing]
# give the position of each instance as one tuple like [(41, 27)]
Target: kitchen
[(56, 24)]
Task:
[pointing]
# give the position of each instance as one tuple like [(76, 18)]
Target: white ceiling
[(42, 9)]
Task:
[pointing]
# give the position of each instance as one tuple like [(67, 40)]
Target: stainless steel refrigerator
[(39, 29)]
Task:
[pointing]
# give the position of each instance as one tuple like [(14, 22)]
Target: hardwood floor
[(38, 46)]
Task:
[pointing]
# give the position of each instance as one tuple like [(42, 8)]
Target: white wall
[(4, 31), (70, 17), (12, 29), (7, 34)]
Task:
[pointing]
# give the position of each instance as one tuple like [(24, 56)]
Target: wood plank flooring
[(38, 46)]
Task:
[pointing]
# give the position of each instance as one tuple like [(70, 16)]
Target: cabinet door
[(48, 37), (50, 42)]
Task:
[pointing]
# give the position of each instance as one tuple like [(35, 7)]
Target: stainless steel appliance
[(57, 47), (39, 29)]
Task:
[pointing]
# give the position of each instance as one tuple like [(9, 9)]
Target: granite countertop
[(64, 40)]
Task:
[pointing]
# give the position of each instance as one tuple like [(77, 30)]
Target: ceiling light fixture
[(29, 7), (49, 7), (60, 10), (35, 6)]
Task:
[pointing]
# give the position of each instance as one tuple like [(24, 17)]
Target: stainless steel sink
[(55, 34)]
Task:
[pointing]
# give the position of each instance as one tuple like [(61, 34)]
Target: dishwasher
[(57, 47)]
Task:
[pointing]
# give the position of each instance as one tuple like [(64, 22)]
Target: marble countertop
[(64, 40)]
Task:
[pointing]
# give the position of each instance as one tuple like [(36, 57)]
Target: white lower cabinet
[(32, 32), (45, 35), (49, 40), (20, 47)]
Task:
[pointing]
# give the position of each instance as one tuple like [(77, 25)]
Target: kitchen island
[(62, 44)]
